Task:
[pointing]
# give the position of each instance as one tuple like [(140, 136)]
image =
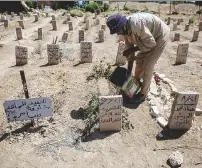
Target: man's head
[(116, 23)]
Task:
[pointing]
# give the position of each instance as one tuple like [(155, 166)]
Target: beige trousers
[(145, 63)]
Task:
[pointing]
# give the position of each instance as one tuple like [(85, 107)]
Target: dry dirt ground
[(55, 145)]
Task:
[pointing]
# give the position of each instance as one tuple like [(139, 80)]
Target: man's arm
[(130, 50)]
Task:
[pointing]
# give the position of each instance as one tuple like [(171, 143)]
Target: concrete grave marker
[(21, 24), (85, 18), (182, 52), (53, 17), (110, 109), (183, 110), (103, 27), (47, 14), (64, 37), (195, 35), (87, 24), (95, 15), (120, 59), (19, 33), (178, 21), (27, 109), (6, 23), (168, 21), (97, 22), (21, 54), (186, 27), (81, 35), (177, 37), (53, 51), (29, 14), (200, 26), (21, 16), (54, 24), (174, 26), (40, 35), (70, 26), (101, 36), (68, 17), (12, 14), (3, 17), (86, 52), (36, 17)]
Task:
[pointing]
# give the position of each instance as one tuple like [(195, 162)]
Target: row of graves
[(110, 107)]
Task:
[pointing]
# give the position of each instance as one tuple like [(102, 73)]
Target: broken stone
[(155, 111), (175, 159), (162, 122)]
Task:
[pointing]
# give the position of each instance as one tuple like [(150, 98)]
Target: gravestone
[(186, 27), (21, 16), (120, 59), (168, 22), (6, 23), (182, 52), (19, 33), (174, 26), (200, 26), (21, 54), (177, 37), (178, 21), (53, 51), (103, 27), (12, 14), (36, 17), (110, 112), (81, 35), (47, 15), (195, 35), (64, 37), (54, 24), (87, 24), (97, 22), (86, 52), (3, 17), (95, 15), (70, 26), (85, 18), (21, 24), (68, 17), (101, 36), (40, 35), (183, 110), (29, 14), (53, 17)]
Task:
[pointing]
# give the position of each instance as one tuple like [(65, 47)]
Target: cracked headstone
[(64, 37), (87, 24), (120, 59), (81, 35), (182, 52), (183, 110), (103, 27), (53, 51), (86, 51), (175, 159), (40, 35), (70, 26), (101, 36), (21, 54), (195, 35), (174, 26), (177, 37), (36, 17), (54, 24), (19, 33), (6, 23), (110, 112), (186, 27), (21, 24)]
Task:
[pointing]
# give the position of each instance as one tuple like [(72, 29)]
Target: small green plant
[(192, 20), (106, 7), (99, 71), (76, 12), (92, 6)]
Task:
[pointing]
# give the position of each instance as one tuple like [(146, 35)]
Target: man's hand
[(130, 50)]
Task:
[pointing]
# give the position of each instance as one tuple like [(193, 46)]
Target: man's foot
[(139, 98)]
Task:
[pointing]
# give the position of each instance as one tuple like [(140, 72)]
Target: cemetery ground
[(62, 140)]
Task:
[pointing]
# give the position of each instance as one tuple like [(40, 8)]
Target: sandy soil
[(55, 145)]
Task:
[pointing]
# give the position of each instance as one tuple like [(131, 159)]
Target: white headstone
[(101, 35), (120, 59), (21, 54), (195, 35), (86, 52), (183, 110), (81, 35), (110, 109), (27, 109), (70, 26), (182, 53), (53, 51), (64, 37), (177, 37), (19, 33), (54, 24), (40, 35)]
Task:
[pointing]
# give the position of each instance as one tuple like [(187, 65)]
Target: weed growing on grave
[(100, 71), (76, 12), (192, 20)]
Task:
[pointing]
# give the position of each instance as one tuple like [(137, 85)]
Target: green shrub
[(106, 7), (30, 4), (76, 12), (192, 20), (199, 12), (92, 6)]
